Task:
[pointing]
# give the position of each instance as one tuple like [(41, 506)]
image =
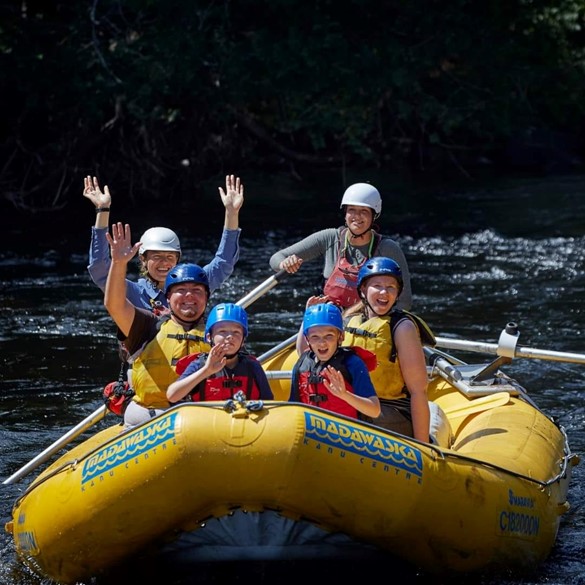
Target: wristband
[(100, 209)]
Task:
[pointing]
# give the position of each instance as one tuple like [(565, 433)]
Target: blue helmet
[(377, 266), (227, 312), (322, 314), (186, 273)]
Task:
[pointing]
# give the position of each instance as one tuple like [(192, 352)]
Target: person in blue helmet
[(345, 249), (327, 375), (396, 337), (155, 343), (227, 368), (161, 250)]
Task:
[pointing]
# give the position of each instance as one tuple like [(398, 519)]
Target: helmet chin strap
[(354, 235), (367, 304)]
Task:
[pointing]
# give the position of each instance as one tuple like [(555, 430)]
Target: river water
[(480, 257)]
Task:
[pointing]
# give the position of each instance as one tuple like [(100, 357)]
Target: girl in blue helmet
[(327, 375), (227, 368), (400, 377)]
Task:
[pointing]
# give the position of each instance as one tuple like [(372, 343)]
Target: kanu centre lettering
[(363, 442), (136, 444)]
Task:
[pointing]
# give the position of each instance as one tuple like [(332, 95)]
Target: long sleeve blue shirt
[(143, 293)]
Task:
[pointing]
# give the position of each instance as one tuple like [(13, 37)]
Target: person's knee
[(440, 428)]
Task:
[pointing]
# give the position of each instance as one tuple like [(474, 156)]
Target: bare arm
[(412, 364), (122, 251)]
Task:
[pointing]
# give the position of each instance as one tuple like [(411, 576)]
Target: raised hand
[(334, 382), (216, 359), (233, 196), (92, 191), (121, 248)]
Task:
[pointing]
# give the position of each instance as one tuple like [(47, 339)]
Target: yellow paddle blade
[(461, 411)]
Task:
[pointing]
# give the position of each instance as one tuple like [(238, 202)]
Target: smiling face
[(187, 300), (157, 264), (324, 341), (358, 219), (228, 333), (380, 292)]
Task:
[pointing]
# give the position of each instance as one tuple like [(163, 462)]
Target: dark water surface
[(479, 258)]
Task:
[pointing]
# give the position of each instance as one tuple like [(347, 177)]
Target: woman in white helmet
[(345, 249), (160, 248)]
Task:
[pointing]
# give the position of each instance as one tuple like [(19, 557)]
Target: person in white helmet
[(345, 249), (160, 248)]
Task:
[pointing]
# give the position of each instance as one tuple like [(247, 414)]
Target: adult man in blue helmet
[(154, 343)]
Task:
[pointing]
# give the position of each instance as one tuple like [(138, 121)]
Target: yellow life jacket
[(154, 369), (374, 335)]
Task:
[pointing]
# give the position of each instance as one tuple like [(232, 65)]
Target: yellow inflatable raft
[(269, 480)]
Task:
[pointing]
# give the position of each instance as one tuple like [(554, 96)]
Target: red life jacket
[(308, 376), (223, 385), (341, 286)]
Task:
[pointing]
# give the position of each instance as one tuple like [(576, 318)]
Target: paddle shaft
[(261, 289), (85, 424), (521, 352), (286, 344), (101, 412)]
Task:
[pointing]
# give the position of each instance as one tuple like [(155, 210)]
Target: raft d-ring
[(508, 340), (239, 402), (254, 405)]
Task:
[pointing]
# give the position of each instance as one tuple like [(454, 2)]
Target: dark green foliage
[(157, 95)]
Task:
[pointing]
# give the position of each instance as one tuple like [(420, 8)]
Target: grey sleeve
[(320, 244), (390, 249)]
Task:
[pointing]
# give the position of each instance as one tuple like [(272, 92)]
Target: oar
[(89, 421), (477, 405), (262, 289), (286, 344), (519, 352), (101, 412)]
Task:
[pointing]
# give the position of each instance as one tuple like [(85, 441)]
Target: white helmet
[(364, 195), (160, 239)]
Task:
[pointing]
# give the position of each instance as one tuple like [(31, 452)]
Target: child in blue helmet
[(227, 368), (327, 375), (394, 336)]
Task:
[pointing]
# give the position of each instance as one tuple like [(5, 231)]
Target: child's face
[(381, 292), (323, 341), (228, 334)]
